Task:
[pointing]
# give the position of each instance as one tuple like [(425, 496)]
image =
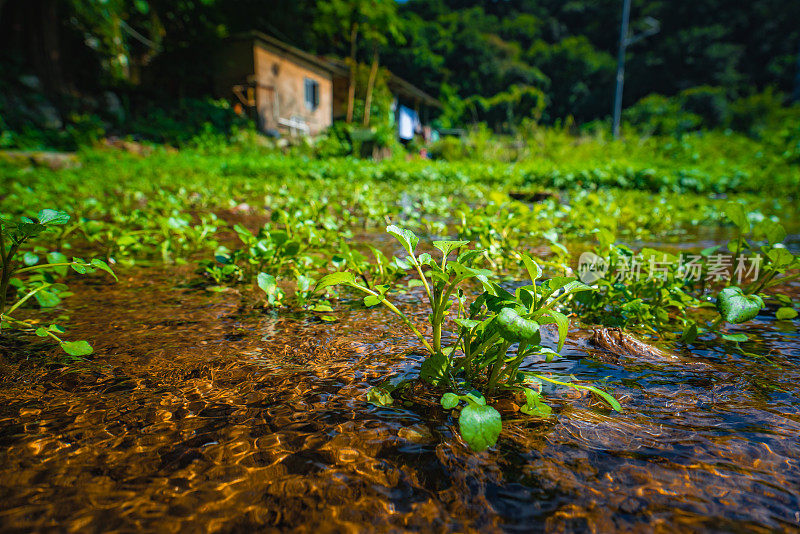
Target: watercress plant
[(495, 331), (38, 280)]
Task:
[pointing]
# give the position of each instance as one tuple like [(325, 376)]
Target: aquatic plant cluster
[(494, 263)]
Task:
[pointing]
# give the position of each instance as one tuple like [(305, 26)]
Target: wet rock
[(416, 434), (620, 343), (506, 406)]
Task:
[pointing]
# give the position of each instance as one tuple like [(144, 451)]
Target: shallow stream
[(199, 414)]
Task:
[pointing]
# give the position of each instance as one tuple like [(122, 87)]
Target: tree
[(381, 23), (342, 18)]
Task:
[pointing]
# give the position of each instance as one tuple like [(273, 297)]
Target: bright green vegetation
[(488, 325), (36, 280), (287, 228)]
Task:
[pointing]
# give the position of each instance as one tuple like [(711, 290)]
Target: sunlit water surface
[(197, 414)]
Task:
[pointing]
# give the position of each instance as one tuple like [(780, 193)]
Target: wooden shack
[(286, 89), (289, 91)]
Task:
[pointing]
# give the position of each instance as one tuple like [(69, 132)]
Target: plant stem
[(28, 325), (8, 268), (496, 368), (21, 301), (46, 265), (400, 314), (764, 281), (418, 267), (2, 246)]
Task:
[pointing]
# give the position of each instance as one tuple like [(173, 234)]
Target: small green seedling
[(39, 280)]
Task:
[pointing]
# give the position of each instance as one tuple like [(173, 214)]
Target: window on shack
[(312, 94)]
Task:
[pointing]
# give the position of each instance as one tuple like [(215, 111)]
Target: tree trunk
[(373, 73), (797, 80), (31, 29), (351, 88)]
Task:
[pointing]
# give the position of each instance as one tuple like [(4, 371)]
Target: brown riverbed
[(197, 413)]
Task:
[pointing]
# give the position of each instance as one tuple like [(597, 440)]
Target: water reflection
[(179, 425)]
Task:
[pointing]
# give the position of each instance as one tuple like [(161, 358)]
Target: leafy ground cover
[(283, 229), (404, 316)]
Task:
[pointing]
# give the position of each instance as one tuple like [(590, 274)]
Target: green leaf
[(576, 287), (563, 327), (514, 328), (41, 332), (407, 238), (469, 324), (47, 216), (266, 282), (785, 313), (100, 264), (449, 401), (780, 257), (774, 232), (534, 405), (549, 354), (534, 271), (735, 337), (526, 296), (736, 307), (379, 397), (29, 258), (427, 259), (614, 403), (269, 285), (291, 248), (433, 368), (479, 426), (26, 230), (689, 334), (56, 257), (333, 279), (47, 299), (737, 215), (78, 268), (77, 348), (448, 246), (304, 283), (142, 6), (475, 396), (468, 256), (708, 252), (372, 300)]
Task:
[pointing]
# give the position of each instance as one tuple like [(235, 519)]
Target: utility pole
[(623, 44), (653, 27)]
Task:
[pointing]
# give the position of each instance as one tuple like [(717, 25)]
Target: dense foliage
[(493, 62), (284, 229)]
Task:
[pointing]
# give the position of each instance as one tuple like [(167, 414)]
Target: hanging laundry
[(406, 123)]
